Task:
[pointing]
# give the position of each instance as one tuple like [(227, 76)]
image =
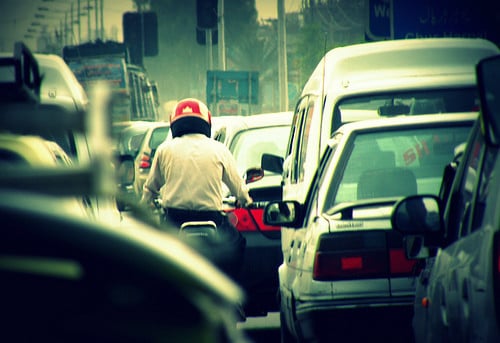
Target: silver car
[(457, 235)]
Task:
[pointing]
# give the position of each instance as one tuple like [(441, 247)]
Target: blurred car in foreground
[(57, 87), (19, 152), (458, 236), (249, 138), (66, 279), (344, 268)]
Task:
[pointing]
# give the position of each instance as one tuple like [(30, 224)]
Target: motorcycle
[(215, 238)]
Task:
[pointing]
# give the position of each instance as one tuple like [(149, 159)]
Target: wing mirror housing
[(253, 174), (419, 215), (272, 163), (283, 213)]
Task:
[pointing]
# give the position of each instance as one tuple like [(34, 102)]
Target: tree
[(181, 65), (329, 24)]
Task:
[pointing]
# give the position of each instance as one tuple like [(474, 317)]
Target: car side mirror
[(419, 215), (283, 213), (272, 163), (414, 247), (253, 174)]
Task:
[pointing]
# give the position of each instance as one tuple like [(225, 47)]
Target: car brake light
[(145, 162), (250, 220), (399, 265), (345, 265)]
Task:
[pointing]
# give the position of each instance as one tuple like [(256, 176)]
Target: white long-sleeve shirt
[(188, 172)]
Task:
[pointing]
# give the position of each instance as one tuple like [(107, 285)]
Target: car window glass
[(158, 136), (394, 163), (304, 139), (11, 159), (468, 185), (408, 103), (220, 135), (295, 137), (484, 188), (248, 146)]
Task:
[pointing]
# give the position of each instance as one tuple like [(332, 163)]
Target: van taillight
[(145, 162)]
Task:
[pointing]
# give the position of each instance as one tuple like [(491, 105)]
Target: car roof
[(238, 123), (408, 58), (385, 123), (71, 83)]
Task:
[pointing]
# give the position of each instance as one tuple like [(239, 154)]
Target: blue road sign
[(242, 86), (401, 19)]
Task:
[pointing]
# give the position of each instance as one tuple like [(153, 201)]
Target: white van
[(378, 79)]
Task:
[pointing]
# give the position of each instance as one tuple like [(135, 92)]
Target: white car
[(344, 268)]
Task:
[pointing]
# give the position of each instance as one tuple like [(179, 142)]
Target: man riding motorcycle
[(187, 174)]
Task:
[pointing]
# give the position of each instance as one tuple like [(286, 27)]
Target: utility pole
[(78, 16), (222, 46), (282, 65)]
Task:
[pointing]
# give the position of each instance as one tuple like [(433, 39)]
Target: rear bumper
[(259, 273), (360, 317)]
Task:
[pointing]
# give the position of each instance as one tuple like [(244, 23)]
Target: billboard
[(109, 69)]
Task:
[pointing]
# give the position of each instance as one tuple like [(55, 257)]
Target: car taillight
[(344, 265), (351, 255), (362, 254), (145, 162), (250, 219), (399, 265)]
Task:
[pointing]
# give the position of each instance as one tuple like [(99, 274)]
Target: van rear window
[(406, 103)]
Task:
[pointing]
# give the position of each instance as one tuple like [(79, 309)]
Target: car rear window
[(395, 163), (406, 103), (158, 136)]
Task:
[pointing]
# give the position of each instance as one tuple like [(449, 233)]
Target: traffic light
[(206, 14), (139, 27)]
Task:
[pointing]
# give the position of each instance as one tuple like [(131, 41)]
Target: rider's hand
[(249, 203)]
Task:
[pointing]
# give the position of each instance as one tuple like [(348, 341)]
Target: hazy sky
[(269, 8), (18, 17)]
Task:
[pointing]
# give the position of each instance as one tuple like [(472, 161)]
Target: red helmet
[(190, 116)]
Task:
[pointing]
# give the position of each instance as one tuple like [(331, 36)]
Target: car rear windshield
[(248, 146), (395, 163), (158, 136), (406, 103)]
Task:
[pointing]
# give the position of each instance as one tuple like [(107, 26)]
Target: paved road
[(262, 329)]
